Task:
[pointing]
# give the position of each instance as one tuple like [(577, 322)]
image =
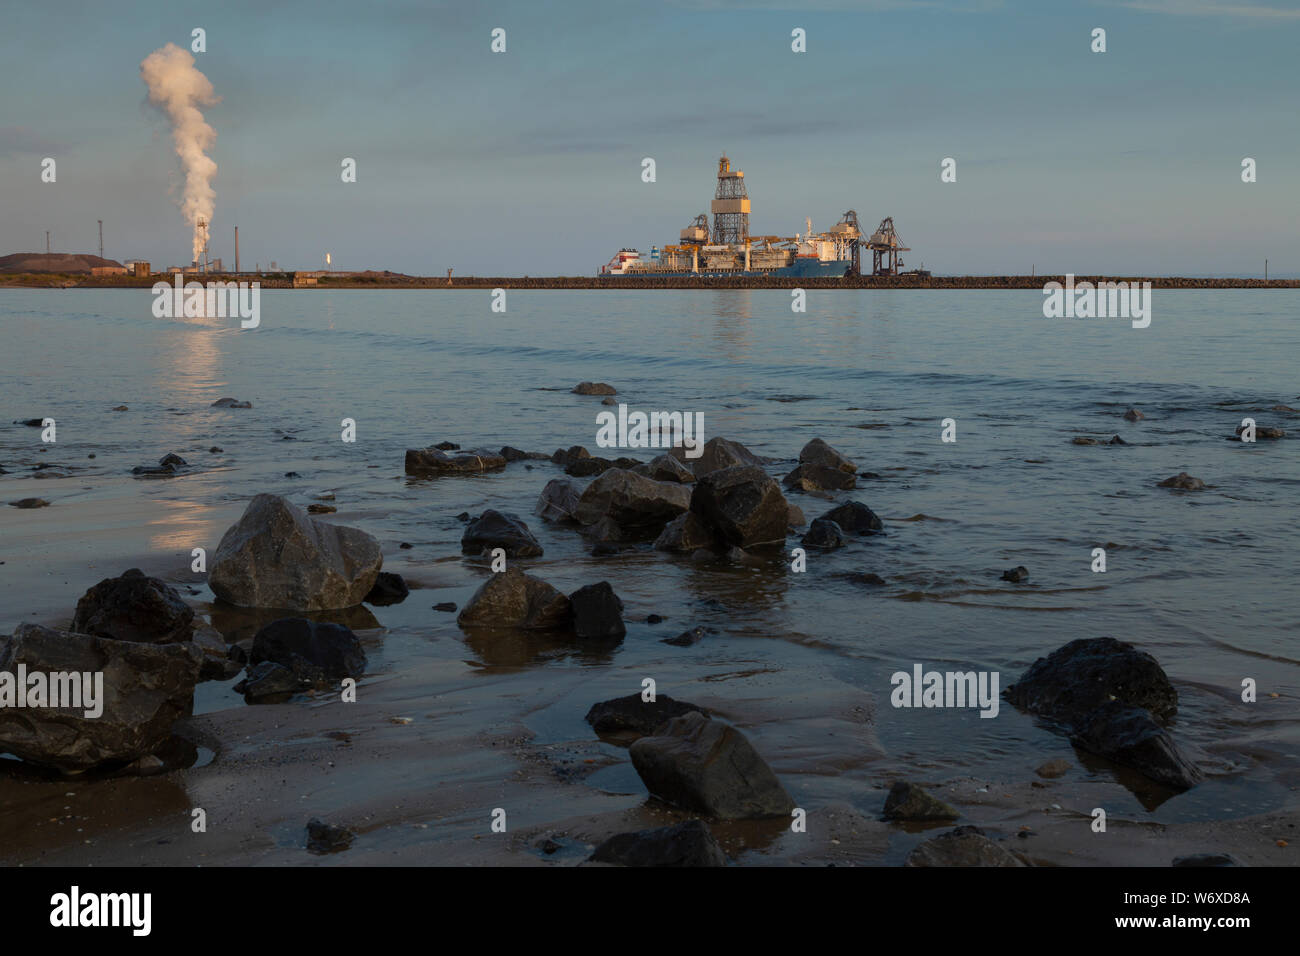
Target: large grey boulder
[(146, 689), (707, 766), (743, 506), (275, 556), (558, 501), (514, 599), (629, 505), (495, 529)]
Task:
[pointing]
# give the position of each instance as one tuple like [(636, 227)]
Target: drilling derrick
[(730, 207)]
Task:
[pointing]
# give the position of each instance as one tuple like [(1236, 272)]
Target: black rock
[(1016, 575), (389, 589), (292, 474), (215, 449), (594, 388), (631, 714), (447, 446), (1074, 680), (597, 612), (513, 454), (230, 403), (1130, 736), (325, 837), (445, 606), (1206, 859), (653, 619), (30, 422), (316, 652), (907, 801), (136, 608), (687, 638), (683, 844), (494, 529), (855, 518), (406, 546), (823, 534), (30, 503), (585, 467), (269, 682)]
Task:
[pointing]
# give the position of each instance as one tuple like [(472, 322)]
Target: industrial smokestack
[(178, 89), (236, 248)]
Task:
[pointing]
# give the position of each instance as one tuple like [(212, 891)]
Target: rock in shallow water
[(134, 607), (317, 653), (824, 535), (597, 612), (907, 801), (856, 518), (707, 766), (683, 844), (1183, 482), (494, 529), (628, 506), (594, 388), (277, 557), (389, 589), (146, 689), (515, 599), (325, 837), (1130, 736), (1016, 575), (964, 846), (632, 714), (433, 461), (742, 506), (558, 501)]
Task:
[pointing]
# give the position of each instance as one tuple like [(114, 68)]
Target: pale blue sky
[(529, 162)]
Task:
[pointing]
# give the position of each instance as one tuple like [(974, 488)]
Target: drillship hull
[(801, 269)]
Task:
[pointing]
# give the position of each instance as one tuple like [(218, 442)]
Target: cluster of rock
[(168, 466), (1112, 700), (513, 599)]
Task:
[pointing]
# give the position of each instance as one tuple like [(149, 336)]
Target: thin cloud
[(1214, 8)]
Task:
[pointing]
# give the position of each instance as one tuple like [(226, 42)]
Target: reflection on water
[(191, 357)]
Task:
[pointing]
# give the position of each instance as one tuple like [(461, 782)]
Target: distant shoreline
[(286, 280)]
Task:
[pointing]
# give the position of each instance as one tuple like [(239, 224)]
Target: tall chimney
[(236, 248)]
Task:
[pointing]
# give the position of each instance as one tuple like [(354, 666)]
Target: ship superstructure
[(729, 248)]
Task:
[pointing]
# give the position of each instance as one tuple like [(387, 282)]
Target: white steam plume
[(178, 89)]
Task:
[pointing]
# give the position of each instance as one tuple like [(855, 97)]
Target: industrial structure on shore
[(730, 249)]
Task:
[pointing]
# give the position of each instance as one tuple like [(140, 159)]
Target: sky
[(529, 162)]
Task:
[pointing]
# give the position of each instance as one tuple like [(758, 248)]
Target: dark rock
[(463, 517), (514, 599), (1016, 575), (629, 506), (631, 714), (172, 461), (1206, 859), (318, 653), (824, 535), (586, 467), (217, 663), (1116, 440), (118, 408), (795, 519), (29, 503), (447, 446), (134, 607), (167, 466), (230, 403), (318, 509), (435, 461), (406, 546), (1133, 415), (687, 638), (216, 450), (1130, 736), (707, 766), (1076, 679), (563, 456), (292, 474), (1183, 482), (494, 529), (270, 683), (684, 844), (856, 518), (389, 589), (863, 578), (558, 501), (743, 506), (597, 612), (808, 477), (822, 455), (1264, 432), (686, 534), (277, 557), (240, 651), (325, 837), (445, 606), (907, 801), (608, 401), (1084, 441), (594, 388), (30, 422), (1054, 768), (719, 453), (516, 454), (654, 619), (666, 468), (964, 846), (146, 689)]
